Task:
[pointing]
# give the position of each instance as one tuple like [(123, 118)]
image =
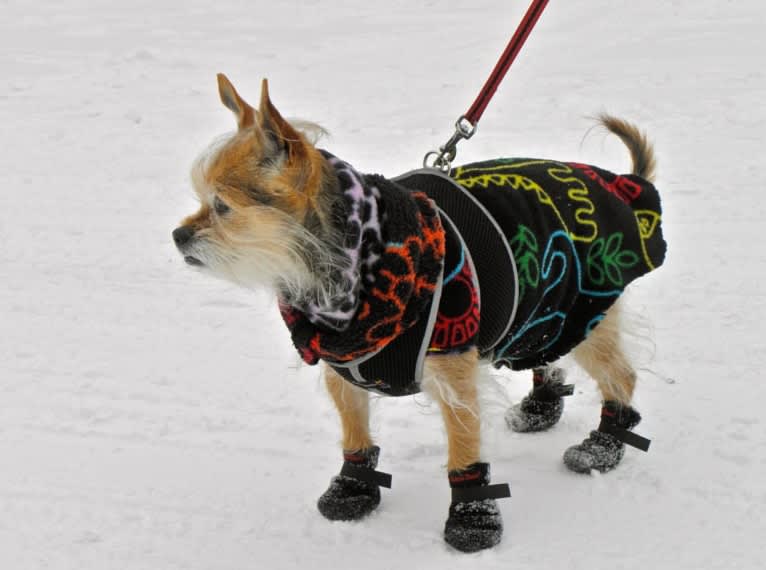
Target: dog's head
[(260, 193)]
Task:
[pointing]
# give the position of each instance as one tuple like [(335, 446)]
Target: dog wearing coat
[(408, 284)]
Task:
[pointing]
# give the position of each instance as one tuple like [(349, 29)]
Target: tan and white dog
[(358, 261)]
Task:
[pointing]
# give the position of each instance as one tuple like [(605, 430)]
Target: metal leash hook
[(465, 127), (442, 159)]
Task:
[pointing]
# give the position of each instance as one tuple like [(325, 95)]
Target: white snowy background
[(153, 418)]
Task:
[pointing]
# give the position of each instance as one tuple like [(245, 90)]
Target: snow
[(153, 418)]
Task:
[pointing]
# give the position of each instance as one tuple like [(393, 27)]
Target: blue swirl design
[(555, 274), (458, 268)]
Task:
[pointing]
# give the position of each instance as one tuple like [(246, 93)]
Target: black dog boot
[(605, 447), (354, 493), (474, 521), (544, 404)]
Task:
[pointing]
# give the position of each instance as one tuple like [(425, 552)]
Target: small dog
[(405, 285)]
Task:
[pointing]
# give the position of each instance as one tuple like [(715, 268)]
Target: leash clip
[(442, 159)]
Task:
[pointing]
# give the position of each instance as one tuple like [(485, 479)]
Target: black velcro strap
[(625, 436), (565, 389), (366, 474), (466, 494)]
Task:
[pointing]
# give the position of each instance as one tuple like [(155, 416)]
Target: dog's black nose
[(182, 235)]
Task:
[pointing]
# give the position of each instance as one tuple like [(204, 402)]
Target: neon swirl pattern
[(579, 235)]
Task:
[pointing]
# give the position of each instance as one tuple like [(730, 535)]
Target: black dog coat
[(544, 248)]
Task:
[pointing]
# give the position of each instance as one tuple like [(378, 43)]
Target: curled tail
[(641, 150)]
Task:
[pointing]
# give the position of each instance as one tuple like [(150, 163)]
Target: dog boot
[(604, 448), (542, 407), (474, 521), (354, 493)]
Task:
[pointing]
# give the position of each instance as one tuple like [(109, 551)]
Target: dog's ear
[(245, 113), (282, 133)]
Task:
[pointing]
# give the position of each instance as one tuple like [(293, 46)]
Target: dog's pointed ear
[(277, 128), (245, 113)]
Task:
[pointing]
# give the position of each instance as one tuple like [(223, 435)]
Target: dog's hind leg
[(355, 492), (474, 521), (603, 357)]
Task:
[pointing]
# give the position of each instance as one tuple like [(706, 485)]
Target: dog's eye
[(259, 195), (220, 206)]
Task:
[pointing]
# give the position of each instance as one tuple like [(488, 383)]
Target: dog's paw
[(474, 525), (348, 499), (474, 522), (601, 451), (533, 415), (541, 409), (354, 493)]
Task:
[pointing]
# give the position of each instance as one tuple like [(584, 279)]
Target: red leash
[(465, 127)]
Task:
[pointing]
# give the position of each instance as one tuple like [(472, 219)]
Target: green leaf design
[(606, 260), (525, 249), (627, 259), (593, 262)]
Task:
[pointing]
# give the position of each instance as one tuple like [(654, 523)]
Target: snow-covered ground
[(153, 418)]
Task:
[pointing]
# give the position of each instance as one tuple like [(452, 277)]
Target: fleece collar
[(394, 252), (362, 242)]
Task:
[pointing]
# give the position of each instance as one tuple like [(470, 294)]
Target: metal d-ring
[(442, 159)]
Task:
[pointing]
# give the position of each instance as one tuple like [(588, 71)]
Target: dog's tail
[(641, 150)]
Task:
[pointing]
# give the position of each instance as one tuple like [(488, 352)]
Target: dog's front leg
[(474, 521), (353, 405), (355, 492), (450, 379)]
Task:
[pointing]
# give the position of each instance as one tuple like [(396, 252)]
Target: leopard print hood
[(394, 250)]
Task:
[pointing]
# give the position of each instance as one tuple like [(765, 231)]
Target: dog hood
[(395, 244)]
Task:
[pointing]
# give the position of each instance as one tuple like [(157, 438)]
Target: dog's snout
[(183, 235)]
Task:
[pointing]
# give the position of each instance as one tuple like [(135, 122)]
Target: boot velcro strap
[(366, 474), (549, 391), (625, 436), (466, 494)]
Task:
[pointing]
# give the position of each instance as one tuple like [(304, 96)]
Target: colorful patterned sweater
[(566, 239), (578, 235)]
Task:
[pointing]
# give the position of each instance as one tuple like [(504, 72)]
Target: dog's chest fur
[(536, 252)]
